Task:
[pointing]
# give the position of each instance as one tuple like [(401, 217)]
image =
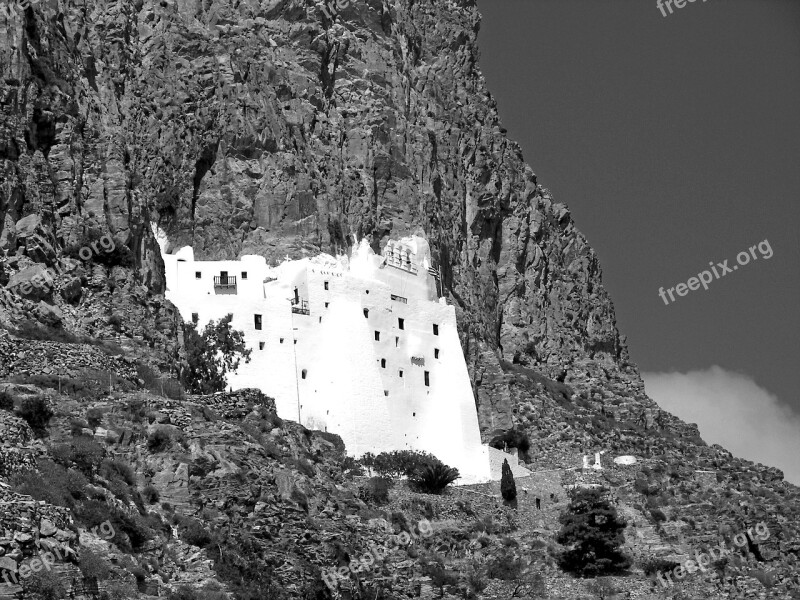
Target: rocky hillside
[(290, 127)]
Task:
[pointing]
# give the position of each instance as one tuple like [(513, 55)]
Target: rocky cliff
[(290, 127)]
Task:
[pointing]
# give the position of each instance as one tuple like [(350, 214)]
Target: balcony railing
[(300, 307), (225, 285), (398, 263)]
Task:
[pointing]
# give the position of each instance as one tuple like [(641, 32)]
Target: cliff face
[(270, 128)]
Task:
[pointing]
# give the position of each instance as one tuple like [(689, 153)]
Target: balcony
[(300, 307), (400, 263), (225, 284)]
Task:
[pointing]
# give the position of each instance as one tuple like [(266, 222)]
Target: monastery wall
[(369, 352)]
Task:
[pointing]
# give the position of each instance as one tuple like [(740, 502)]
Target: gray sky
[(675, 141)]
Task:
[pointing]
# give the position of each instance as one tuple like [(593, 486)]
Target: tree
[(593, 532), (507, 486), (213, 354)]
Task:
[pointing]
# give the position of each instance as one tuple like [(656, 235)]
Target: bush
[(81, 452), (506, 566), (376, 489), (93, 566), (119, 590), (513, 438), (158, 441), (6, 401), (210, 592), (151, 494), (433, 479), (593, 533), (652, 566), (399, 462), (193, 533), (45, 585), (116, 469), (36, 412), (94, 417)]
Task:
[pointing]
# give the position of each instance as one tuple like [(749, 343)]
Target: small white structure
[(597, 466), (361, 346), (625, 460)]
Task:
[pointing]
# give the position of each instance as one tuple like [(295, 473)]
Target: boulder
[(34, 282), (34, 237)]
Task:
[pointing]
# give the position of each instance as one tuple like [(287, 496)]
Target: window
[(260, 345), (197, 274), (367, 291), (366, 313), (400, 373), (257, 319), (401, 323), (435, 329), (326, 285), (326, 304), (377, 336), (304, 373), (383, 363), (244, 274), (396, 341), (195, 318), (428, 378), (385, 392), (281, 340), (435, 353)]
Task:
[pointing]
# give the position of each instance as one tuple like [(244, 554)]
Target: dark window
[(377, 336), (197, 274), (435, 329), (326, 304), (257, 319), (244, 274), (383, 363), (435, 353), (195, 318), (366, 312), (396, 341), (304, 373), (326, 285), (401, 323), (400, 373), (427, 378), (367, 291), (281, 340), (260, 345), (385, 392)]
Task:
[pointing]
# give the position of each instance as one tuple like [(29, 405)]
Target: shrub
[(36, 412), (112, 469), (119, 590), (433, 479), (506, 566), (93, 566), (151, 494), (400, 462), (185, 592), (213, 354), (6, 401), (508, 488), (45, 585), (94, 417), (512, 438), (376, 489), (193, 533), (593, 533), (652, 566), (158, 441)]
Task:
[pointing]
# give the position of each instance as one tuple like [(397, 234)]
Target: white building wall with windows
[(360, 346)]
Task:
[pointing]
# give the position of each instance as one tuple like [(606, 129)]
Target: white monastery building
[(361, 346)]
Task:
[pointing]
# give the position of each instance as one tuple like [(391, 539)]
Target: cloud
[(733, 411)]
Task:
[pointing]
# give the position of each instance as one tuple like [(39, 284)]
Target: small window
[(435, 353), (400, 373), (244, 274), (304, 373), (320, 318), (428, 378), (401, 323), (383, 363), (257, 320), (295, 342), (195, 318), (260, 345), (326, 285), (281, 340), (197, 274), (396, 341), (435, 329), (366, 313), (377, 336), (367, 291), (326, 304), (385, 392)]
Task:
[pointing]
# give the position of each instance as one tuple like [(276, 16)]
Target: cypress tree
[(507, 486)]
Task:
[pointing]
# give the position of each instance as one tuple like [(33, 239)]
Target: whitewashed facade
[(360, 346)]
